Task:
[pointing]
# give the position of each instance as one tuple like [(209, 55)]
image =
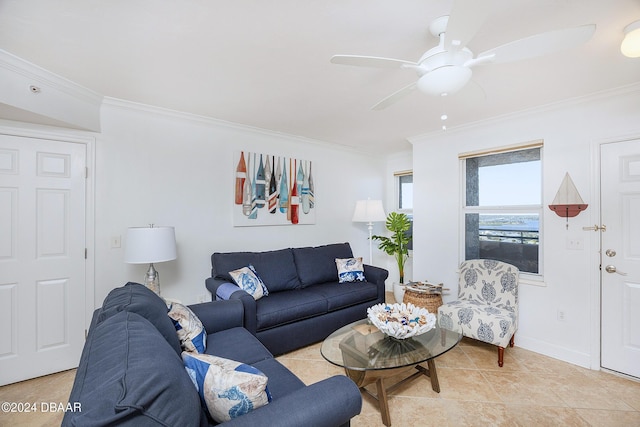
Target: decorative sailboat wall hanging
[(567, 202), (272, 190)]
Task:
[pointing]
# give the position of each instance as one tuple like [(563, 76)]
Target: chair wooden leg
[(501, 350)]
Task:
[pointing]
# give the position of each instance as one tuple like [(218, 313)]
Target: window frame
[(408, 212), (396, 185), (526, 277)]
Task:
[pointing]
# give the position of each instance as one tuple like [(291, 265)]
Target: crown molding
[(32, 94), (38, 74), (595, 96), (209, 121)]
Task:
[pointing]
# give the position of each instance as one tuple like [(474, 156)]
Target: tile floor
[(530, 390)]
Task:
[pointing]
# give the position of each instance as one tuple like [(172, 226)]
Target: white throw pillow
[(248, 280), (350, 270), (191, 332), (229, 389)]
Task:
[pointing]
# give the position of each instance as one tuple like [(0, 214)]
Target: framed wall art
[(272, 190)]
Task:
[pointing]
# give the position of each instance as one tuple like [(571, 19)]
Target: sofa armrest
[(377, 275), (327, 403), (249, 304), (219, 315)]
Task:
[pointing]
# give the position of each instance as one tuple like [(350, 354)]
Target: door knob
[(595, 228), (610, 253), (612, 269)]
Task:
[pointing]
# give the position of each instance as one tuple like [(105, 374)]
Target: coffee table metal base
[(364, 378)]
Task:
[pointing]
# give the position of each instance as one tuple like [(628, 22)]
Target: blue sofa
[(305, 302), (131, 372)]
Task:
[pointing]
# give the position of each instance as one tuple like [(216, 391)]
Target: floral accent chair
[(487, 304)]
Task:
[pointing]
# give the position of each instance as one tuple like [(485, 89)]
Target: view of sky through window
[(510, 184)]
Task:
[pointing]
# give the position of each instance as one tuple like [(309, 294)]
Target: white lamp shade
[(630, 46), (369, 211), (444, 80), (150, 244)]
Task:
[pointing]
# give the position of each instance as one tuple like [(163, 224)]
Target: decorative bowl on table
[(401, 320)]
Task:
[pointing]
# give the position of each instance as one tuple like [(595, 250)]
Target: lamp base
[(152, 279)]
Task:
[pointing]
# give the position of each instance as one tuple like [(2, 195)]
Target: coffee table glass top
[(361, 346)]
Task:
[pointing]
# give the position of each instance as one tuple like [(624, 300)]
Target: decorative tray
[(425, 287)]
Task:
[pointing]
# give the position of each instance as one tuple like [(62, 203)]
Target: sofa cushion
[(277, 269), (350, 270), (191, 333), (117, 385), (227, 388), (237, 344), (281, 380), (318, 264), (340, 295), (286, 307), (136, 298)]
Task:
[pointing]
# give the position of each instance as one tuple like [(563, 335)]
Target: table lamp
[(369, 211), (150, 245)]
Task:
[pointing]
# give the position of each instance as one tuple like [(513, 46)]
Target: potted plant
[(396, 245)]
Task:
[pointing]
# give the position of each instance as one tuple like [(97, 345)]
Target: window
[(404, 191), (503, 206)]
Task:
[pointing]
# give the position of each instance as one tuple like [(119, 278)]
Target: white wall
[(571, 134), (174, 169)]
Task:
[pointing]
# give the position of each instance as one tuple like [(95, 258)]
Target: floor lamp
[(148, 245), (369, 211)]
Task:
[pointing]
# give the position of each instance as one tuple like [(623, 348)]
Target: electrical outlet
[(575, 243), (561, 316)]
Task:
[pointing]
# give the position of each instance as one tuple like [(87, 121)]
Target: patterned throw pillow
[(248, 280), (228, 389), (350, 270), (191, 332)]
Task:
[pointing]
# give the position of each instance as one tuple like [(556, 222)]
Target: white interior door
[(42, 256), (620, 258)]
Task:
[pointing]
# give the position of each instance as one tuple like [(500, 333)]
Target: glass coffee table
[(369, 356)]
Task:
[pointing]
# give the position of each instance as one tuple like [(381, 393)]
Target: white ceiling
[(266, 63)]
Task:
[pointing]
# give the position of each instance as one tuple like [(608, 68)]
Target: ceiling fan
[(447, 68)]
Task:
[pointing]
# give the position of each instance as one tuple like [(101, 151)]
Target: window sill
[(532, 280)]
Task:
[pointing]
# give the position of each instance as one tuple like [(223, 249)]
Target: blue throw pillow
[(191, 332), (228, 389)]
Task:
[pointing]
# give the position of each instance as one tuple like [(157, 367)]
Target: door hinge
[(86, 172), (85, 253)]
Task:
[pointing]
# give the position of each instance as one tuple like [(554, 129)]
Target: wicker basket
[(423, 299)]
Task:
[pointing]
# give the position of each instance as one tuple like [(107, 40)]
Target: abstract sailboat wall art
[(272, 190)]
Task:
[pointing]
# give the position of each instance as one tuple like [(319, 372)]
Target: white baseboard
[(554, 351)]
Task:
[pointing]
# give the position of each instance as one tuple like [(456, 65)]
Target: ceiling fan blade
[(370, 61), (465, 19), (394, 97), (540, 44)]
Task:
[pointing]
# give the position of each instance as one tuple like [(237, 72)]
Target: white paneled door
[(620, 258), (42, 256)]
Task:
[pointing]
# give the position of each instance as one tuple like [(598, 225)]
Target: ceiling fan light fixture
[(444, 80), (630, 46)]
